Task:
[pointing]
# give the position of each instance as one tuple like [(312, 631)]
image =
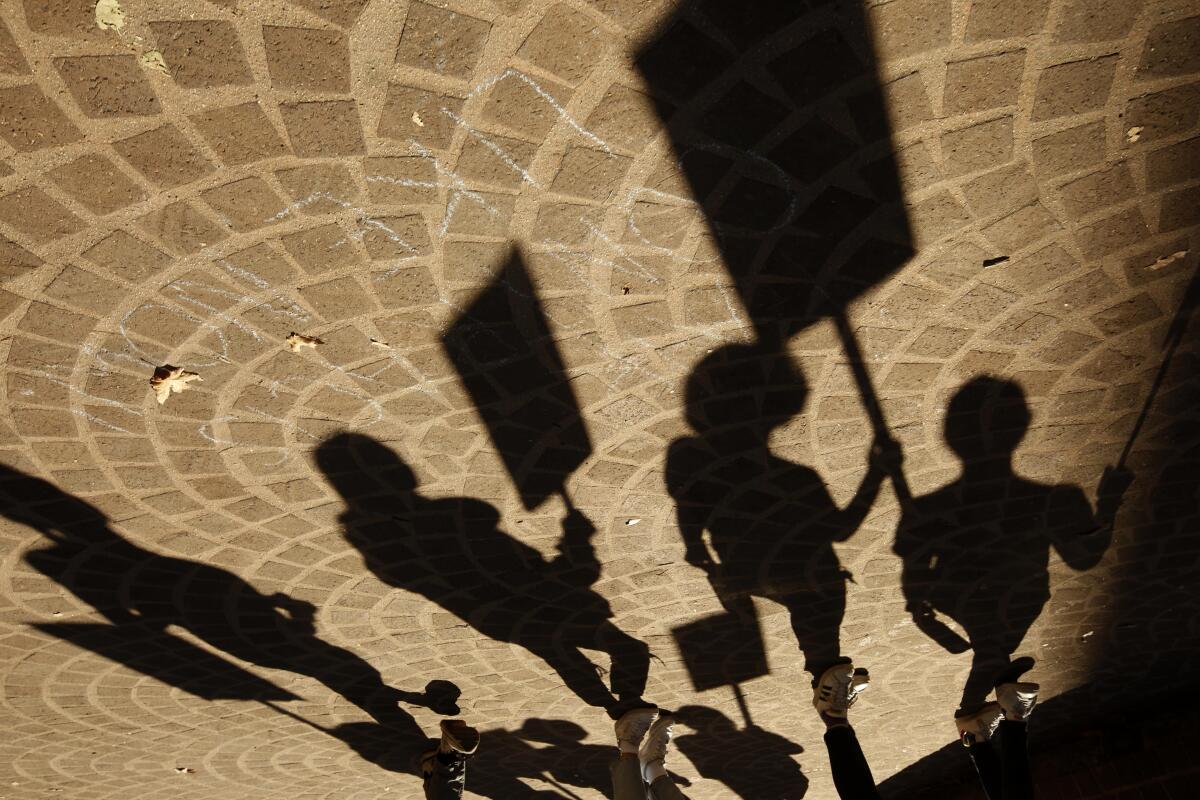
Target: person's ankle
[(832, 722), (653, 770), (628, 748)]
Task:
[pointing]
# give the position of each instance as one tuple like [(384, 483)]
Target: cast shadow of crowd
[(975, 551)]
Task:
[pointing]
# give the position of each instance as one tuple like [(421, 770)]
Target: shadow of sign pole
[(779, 124)]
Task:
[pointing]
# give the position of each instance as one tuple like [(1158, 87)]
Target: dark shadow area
[(777, 119), (502, 348), (142, 593), (452, 552), (978, 549), (771, 523), (779, 125), (751, 761)]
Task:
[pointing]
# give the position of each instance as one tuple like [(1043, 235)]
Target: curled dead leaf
[(377, 343), (298, 341), (109, 15), (169, 379), (153, 59), (1166, 261)]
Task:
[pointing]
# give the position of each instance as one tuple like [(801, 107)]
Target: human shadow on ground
[(777, 118), (752, 761), (977, 550), (142, 593), (771, 522), (452, 552)]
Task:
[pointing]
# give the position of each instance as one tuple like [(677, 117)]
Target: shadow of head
[(752, 387), (987, 418), (360, 467), (552, 731)]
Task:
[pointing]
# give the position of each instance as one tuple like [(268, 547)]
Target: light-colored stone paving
[(191, 186)]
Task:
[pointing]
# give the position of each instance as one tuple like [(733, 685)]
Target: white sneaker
[(980, 726), (838, 688), (632, 726), (1017, 700), (458, 738), (654, 748)]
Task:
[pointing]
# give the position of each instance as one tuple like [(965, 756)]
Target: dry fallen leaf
[(416, 117), (154, 60), (377, 343), (1167, 260), (1134, 133), (109, 15), (168, 379), (298, 341)]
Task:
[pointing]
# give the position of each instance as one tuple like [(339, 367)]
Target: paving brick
[(403, 180), (405, 287), (1001, 191), (1178, 163), (164, 156), (1022, 228), (202, 53), (12, 61), (625, 118), (495, 160), (394, 238), (325, 128), (479, 213), (1164, 114), (566, 43), (240, 134), (182, 227), (1171, 49), (1071, 150), (642, 320), (127, 256), (31, 121), (412, 114), (589, 174), (337, 299), (306, 58), (320, 188), (442, 41), (990, 20), (1180, 209), (15, 260), (1074, 88), (531, 107), (339, 12), (244, 205), (1113, 233), (1096, 20), (84, 290), (108, 86), (909, 27), (38, 216), (322, 248), (96, 182), (978, 147), (1098, 190), (64, 18), (983, 83)]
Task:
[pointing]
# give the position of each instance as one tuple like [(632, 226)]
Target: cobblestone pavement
[(515, 270)]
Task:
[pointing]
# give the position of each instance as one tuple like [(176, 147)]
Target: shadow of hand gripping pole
[(779, 124)]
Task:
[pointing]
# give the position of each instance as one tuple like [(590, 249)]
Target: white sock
[(653, 770)]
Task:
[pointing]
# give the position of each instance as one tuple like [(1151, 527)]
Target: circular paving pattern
[(459, 281)]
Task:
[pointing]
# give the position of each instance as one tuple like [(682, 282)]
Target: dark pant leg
[(851, 774), (627, 779), (987, 764), (447, 780), (665, 789), (1014, 761)]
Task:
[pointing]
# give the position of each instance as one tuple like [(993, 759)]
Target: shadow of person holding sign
[(977, 550), (752, 761), (452, 552), (771, 522), (141, 593)]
